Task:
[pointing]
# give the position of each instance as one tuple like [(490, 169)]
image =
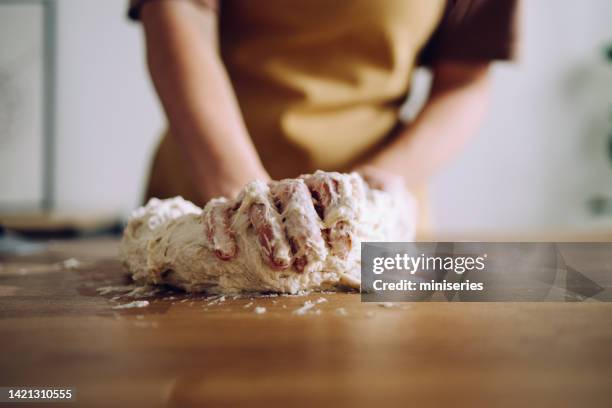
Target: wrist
[(228, 181)]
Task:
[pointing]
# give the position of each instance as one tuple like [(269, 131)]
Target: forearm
[(197, 97), (456, 107)]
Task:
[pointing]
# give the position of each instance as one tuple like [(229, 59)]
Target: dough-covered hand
[(395, 186), (295, 222)]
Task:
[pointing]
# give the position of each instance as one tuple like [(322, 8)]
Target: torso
[(320, 82)]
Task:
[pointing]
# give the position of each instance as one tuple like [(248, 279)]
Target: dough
[(288, 236)]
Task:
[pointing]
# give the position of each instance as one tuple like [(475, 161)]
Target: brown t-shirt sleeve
[(136, 5), (474, 30)]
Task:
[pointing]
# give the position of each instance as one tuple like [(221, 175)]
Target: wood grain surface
[(182, 351)]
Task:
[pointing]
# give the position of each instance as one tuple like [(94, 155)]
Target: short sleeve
[(136, 5), (474, 30)]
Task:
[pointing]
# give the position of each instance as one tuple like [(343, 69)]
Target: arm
[(456, 107), (198, 98)]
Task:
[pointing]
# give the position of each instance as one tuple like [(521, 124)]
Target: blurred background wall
[(542, 152), (539, 158), (108, 117)]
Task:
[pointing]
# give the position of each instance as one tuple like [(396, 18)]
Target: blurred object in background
[(600, 205), (27, 129), (105, 114), (14, 245), (25, 136), (54, 224)]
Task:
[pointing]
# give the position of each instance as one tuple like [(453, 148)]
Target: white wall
[(107, 115), (541, 152)]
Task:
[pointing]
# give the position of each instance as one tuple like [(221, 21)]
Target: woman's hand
[(295, 222), (395, 186), (452, 114), (380, 179)]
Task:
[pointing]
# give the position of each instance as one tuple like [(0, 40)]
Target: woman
[(277, 88)]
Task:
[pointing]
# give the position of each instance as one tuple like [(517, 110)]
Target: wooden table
[(57, 330)]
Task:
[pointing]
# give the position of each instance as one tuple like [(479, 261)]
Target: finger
[(272, 242), (217, 225), (341, 239), (321, 190), (332, 194), (301, 222)]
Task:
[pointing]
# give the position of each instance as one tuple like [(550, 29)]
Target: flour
[(290, 236), (71, 263), (105, 290), (132, 305), (260, 310), (341, 311), (305, 308)]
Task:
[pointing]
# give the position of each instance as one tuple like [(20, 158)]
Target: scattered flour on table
[(71, 263), (341, 311), (145, 324), (133, 305), (143, 291), (106, 290), (305, 308), (216, 300)]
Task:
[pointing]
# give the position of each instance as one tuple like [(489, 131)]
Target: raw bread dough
[(165, 242)]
